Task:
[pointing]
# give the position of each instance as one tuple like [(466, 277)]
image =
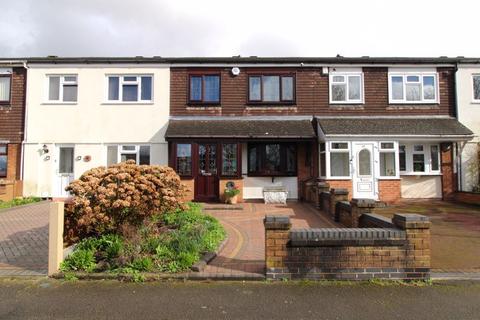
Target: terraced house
[(12, 112), (383, 128), (89, 112)]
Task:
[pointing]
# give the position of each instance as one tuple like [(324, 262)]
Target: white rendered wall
[(421, 187)]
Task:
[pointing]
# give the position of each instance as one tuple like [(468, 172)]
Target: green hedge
[(18, 202)]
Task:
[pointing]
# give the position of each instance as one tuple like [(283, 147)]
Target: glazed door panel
[(206, 180)]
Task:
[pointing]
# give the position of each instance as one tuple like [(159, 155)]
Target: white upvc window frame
[(135, 151), (396, 151), (409, 152), (121, 82), (329, 151), (62, 83), (346, 75), (404, 76), (474, 75)]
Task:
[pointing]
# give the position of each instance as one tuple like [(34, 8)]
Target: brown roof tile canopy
[(240, 128), (427, 127)]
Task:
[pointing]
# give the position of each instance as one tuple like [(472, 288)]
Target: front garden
[(128, 219)]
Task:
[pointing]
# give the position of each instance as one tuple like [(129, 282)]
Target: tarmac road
[(52, 299)]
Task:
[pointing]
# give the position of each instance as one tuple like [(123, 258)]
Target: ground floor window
[(272, 159), (184, 159), (387, 159), (229, 159), (339, 159), (419, 158), (3, 160), (121, 153)]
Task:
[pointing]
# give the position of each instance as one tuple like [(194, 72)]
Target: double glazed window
[(339, 159), (413, 88), (271, 88), (387, 159), (184, 159), (122, 153), (62, 88), (419, 158), (229, 159), (204, 89), (476, 87), (3, 160), (272, 159), (5, 88), (346, 88), (130, 88)]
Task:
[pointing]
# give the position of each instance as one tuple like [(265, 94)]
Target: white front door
[(364, 181), (64, 170)]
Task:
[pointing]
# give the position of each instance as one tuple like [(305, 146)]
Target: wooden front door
[(206, 180)]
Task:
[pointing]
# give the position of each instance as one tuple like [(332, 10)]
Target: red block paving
[(24, 240), (243, 254)]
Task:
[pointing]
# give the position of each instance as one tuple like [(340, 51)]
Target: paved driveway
[(24, 240), (455, 232), (244, 251)]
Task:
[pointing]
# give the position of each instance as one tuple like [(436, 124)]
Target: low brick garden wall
[(399, 249), (467, 197)]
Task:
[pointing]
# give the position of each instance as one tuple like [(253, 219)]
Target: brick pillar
[(277, 232), (337, 195), (359, 207), (448, 176), (318, 189), (417, 229)]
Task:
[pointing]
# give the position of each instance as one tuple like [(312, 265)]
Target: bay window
[(339, 159), (272, 159), (271, 88), (346, 87), (62, 88), (130, 88), (3, 160), (122, 153), (413, 87), (204, 89), (5, 88)]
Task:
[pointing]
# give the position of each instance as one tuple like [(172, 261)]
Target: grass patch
[(171, 243), (18, 202)]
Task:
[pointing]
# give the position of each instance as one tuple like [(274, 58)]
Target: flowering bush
[(107, 198)]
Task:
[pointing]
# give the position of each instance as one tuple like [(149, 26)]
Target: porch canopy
[(241, 129), (405, 128)]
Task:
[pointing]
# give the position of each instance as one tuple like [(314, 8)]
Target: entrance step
[(223, 207)]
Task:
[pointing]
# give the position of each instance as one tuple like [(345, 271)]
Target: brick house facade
[(411, 157), (13, 77)]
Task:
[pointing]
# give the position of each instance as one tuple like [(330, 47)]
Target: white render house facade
[(468, 109), (85, 114)]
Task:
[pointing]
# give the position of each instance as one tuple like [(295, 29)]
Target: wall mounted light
[(45, 149)]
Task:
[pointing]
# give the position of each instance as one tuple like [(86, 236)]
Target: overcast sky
[(245, 27)]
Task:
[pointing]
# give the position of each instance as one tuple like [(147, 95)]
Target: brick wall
[(238, 182), (402, 252), (467, 197), (311, 94), (448, 176), (11, 186), (390, 190), (342, 184), (189, 183)]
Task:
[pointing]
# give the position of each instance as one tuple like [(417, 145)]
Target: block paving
[(24, 240), (243, 254)]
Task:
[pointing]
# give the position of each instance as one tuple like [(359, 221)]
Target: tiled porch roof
[(400, 126), (240, 128)]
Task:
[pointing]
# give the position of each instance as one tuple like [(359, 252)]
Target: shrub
[(105, 198), (18, 202)]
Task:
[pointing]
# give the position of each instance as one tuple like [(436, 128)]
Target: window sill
[(273, 103), (203, 104), (127, 103), (358, 103), (272, 107), (200, 107), (339, 178), (473, 102), (421, 174), (59, 103), (389, 178)]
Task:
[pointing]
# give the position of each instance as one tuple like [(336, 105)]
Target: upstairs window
[(413, 88), (204, 89), (271, 88), (346, 88), (3, 160), (5, 87), (62, 88), (130, 88), (476, 87)]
